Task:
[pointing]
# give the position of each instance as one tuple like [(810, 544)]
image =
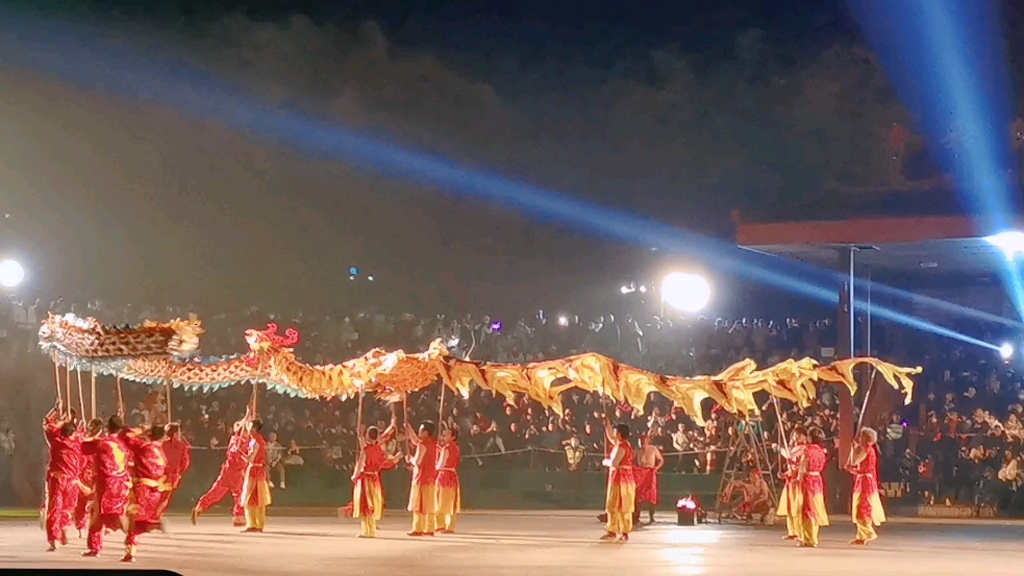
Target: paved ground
[(492, 544)]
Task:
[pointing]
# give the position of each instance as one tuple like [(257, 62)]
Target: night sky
[(667, 110)]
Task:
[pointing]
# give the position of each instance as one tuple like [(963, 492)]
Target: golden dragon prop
[(162, 353)]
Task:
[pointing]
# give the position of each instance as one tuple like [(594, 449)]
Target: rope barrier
[(526, 450)]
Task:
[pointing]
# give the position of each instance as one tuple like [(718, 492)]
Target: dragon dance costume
[(62, 480), (448, 491), (256, 490), (423, 494)]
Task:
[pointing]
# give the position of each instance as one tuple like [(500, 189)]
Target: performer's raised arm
[(412, 436), (857, 455), (52, 424), (794, 452), (53, 416), (416, 459), (609, 431), (390, 431)]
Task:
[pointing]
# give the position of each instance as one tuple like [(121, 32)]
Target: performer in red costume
[(110, 500), (422, 495), (621, 497), (256, 489), (367, 491), (62, 483), (448, 492), (177, 450), (867, 505), (230, 479), (149, 486), (812, 489), (789, 500), (87, 476)]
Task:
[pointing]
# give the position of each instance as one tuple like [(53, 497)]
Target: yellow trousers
[(445, 522), (368, 527), (809, 531), (619, 502), (866, 531), (449, 504), (423, 505), (424, 523), (619, 523), (255, 517), (792, 526)]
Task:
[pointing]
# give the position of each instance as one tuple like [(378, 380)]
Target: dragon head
[(263, 341)]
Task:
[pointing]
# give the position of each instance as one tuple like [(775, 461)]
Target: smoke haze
[(120, 200)]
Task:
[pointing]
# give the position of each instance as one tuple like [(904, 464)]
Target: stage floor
[(491, 544)]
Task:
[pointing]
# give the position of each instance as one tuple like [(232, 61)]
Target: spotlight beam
[(75, 54), (946, 61)]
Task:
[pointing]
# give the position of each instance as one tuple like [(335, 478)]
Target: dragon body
[(87, 344), (156, 353)]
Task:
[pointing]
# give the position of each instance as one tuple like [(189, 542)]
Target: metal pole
[(853, 318), (868, 351)]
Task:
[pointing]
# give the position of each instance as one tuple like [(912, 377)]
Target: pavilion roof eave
[(857, 231)]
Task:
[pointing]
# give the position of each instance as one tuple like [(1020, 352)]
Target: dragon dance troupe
[(104, 477)]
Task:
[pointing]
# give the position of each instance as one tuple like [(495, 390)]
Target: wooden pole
[(56, 373), (604, 407), (120, 398), (92, 395), (252, 401), (359, 425), (440, 410), (67, 385), (168, 400), (864, 405), (81, 397), (255, 390), (405, 418)]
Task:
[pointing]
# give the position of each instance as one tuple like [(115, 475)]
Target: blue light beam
[(945, 59)]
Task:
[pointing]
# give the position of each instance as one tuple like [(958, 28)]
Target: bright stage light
[(563, 321), (685, 292), (11, 274), (1006, 351), (1011, 242)]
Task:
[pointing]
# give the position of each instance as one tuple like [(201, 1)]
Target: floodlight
[(11, 274), (686, 292)]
